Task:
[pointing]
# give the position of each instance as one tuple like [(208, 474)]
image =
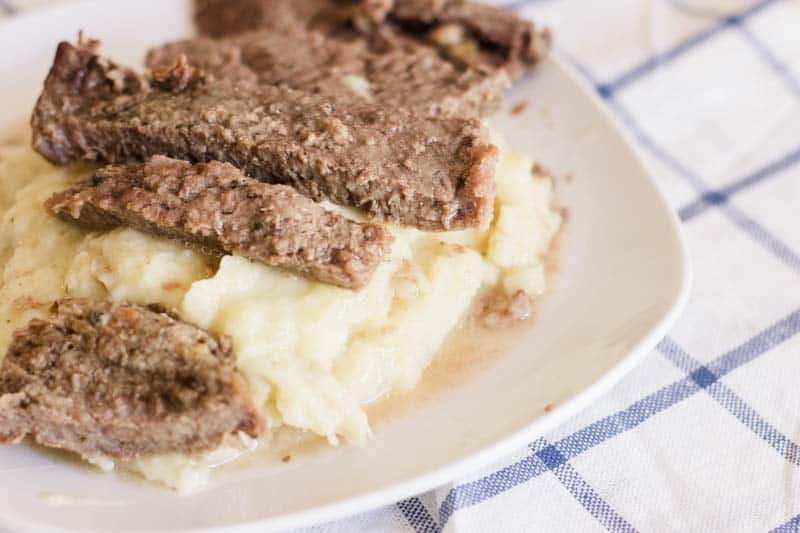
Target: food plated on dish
[(275, 225)]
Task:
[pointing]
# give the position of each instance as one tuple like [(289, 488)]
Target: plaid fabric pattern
[(705, 434)]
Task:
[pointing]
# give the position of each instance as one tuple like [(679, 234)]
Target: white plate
[(623, 279)]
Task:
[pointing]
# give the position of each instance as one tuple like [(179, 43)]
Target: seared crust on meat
[(104, 378), (398, 166), (505, 39), (493, 37), (410, 76), (213, 205)]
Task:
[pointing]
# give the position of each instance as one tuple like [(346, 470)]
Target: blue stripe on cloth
[(477, 491), (591, 500), (580, 489), (758, 233), (786, 75), (495, 483), (728, 399), (544, 457), (644, 139), (748, 416), (627, 78), (418, 516), (776, 334), (792, 526), (750, 226), (718, 196), (677, 355), (579, 442), (697, 207), (627, 419)]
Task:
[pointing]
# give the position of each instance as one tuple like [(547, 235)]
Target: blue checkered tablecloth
[(705, 434)]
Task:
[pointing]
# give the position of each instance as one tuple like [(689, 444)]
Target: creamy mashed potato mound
[(313, 354)]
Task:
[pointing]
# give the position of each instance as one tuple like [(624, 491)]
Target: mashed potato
[(313, 354)]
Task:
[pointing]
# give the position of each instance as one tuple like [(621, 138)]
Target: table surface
[(705, 434)]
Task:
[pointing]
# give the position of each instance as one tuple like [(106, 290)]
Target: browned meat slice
[(503, 37), (410, 76), (215, 206), (103, 378), (472, 33), (432, 173), (219, 18), (220, 58)]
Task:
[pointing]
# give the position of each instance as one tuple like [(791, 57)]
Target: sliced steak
[(410, 76), (213, 205), (472, 33), (431, 173), (220, 58), (103, 378), (503, 38), (220, 18)]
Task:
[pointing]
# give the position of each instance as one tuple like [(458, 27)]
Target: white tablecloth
[(704, 435)]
